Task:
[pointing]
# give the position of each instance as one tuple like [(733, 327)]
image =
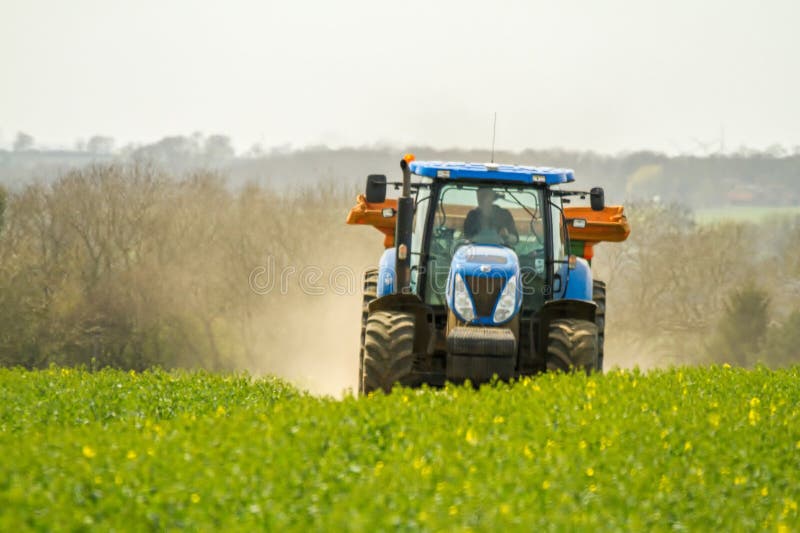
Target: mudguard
[(577, 281), (387, 278)]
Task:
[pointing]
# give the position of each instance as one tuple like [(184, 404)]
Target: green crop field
[(683, 449)]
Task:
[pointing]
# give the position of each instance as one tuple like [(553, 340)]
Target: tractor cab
[(477, 269)]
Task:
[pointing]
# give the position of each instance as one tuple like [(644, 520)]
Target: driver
[(488, 216)]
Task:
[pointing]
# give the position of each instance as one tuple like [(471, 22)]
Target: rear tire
[(388, 351), (599, 297), (370, 293), (572, 346)]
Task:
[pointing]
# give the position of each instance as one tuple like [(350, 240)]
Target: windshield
[(505, 215)]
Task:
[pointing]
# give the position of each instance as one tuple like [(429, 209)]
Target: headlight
[(507, 302), (461, 300)]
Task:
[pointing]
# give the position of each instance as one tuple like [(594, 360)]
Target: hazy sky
[(606, 75)]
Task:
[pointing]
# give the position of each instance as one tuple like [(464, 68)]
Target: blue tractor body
[(480, 266), (491, 262), (491, 172)]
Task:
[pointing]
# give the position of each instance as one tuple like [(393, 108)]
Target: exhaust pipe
[(402, 238)]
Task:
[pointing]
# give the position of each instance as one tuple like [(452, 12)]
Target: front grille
[(485, 291)]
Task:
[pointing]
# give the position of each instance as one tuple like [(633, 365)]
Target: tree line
[(125, 265)]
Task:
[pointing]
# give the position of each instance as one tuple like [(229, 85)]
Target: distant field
[(744, 214), (698, 449)]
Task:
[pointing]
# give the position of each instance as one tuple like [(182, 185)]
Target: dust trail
[(318, 347)]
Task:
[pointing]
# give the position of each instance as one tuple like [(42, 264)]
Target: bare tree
[(100, 144), (23, 142)]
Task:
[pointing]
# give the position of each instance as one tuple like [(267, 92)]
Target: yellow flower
[(754, 402), (528, 453), (590, 471), (726, 366), (789, 505), (764, 491), (687, 447), (499, 420), (131, 455), (471, 437), (753, 417), (195, 497), (739, 480), (545, 484), (713, 419), (592, 488), (378, 468), (453, 510), (505, 508), (89, 452), (220, 411)]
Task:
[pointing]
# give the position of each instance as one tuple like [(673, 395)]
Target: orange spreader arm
[(610, 224), (372, 214)]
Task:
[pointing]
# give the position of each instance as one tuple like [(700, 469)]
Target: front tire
[(388, 351), (599, 297), (369, 294), (572, 345)]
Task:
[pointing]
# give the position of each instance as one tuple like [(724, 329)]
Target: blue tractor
[(480, 276)]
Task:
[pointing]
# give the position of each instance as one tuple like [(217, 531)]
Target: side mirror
[(376, 188), (598, 198)]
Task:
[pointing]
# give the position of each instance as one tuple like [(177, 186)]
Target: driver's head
[(486, 197)]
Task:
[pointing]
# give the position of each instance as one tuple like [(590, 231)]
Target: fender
[(577, 281), (387, 277)]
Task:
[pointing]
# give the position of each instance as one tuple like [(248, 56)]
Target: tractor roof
[(492, 172)]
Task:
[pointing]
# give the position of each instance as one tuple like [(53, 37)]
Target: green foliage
[(741, 331), (713, 449), (126, 266)]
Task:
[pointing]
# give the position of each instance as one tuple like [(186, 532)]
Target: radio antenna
[(494, 133)]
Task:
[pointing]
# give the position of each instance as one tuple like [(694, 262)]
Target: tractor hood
[(484, 286)]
